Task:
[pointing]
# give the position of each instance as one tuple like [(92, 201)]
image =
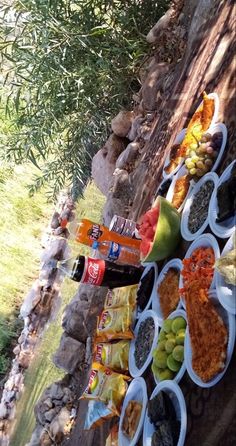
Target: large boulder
[(32, 299), (36, 437), (57, 249), (122, 122), (24, 358), (70, 354), (133, 133), (3, 411), (153, 84), (57, 427), (162, 24), (129, 155), (165, 23), (103, 163), (55, 391), (122, 187), (74, 320), (119, 198), (45, 439), (102, 171)]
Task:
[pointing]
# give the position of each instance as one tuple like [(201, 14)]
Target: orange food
[(199, 266), (198, 124), (174, 159), (208, 333), (168, 291), (180, 190), (131, 418)]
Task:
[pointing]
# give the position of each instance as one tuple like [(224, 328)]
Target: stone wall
[(57, 408), (39, 306)]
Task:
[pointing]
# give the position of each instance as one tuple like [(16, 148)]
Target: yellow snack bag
[(115, 323), (106, 386), (115, 356), (120, 297)]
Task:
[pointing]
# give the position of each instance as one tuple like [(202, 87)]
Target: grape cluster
[(201, 156)]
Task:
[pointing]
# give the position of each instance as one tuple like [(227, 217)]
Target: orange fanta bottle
[(88, 232)]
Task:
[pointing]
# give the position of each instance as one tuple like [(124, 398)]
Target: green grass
[(42, 371), (21, 224), (21, 218), (40, 374)]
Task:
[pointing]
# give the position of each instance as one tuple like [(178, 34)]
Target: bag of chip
[(96, 415), (115, 323), (115, 355), (106, 386), (120, 297)]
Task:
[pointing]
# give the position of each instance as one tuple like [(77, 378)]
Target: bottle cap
[(95, 245)]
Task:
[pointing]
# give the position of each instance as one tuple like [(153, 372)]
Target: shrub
[(69, 66)]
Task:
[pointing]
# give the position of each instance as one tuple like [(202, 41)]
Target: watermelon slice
[(159, 230)]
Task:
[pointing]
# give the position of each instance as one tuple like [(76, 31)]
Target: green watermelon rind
[(167, 235)]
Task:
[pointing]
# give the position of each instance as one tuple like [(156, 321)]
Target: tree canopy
[(68, 66)]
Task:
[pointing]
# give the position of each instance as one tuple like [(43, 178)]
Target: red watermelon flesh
[(152, 216), (149, 233), (147, 229), (143, 227), (145, 247)]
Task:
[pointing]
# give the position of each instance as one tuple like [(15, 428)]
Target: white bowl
[(147, 268), (177, 398), (185, 232), (137, 391), (207, 241), (229, 320), (222, 129), (182, 369), (176, 264), (183, 171), (179, 138), (225, 291), (226, 228), (133, 369)]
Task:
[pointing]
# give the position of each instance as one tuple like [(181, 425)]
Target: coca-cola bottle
[(100, 272)]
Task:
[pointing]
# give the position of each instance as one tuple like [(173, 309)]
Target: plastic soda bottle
[(100, 272), (88, 232), (117, 253)]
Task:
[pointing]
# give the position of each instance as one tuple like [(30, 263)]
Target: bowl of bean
[(145, 340), (195, 213)]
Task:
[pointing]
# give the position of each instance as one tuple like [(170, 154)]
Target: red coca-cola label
[(93, 271)]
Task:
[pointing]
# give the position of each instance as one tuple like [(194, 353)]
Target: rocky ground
[(192, 51), (40, 305)]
